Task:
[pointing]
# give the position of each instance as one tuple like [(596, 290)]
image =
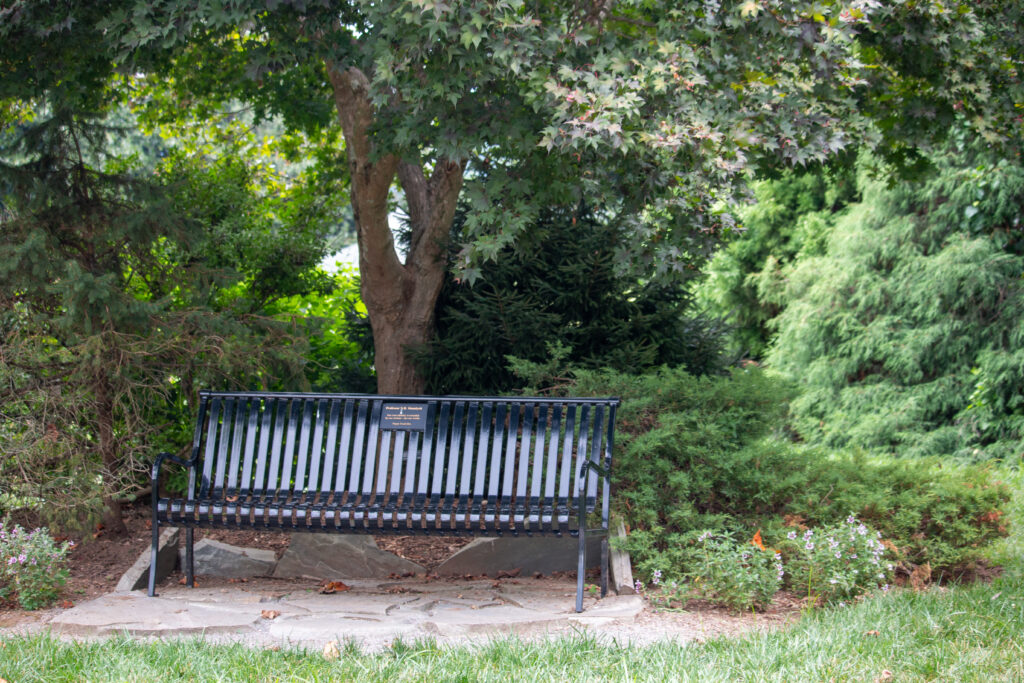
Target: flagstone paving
[(371, 612)]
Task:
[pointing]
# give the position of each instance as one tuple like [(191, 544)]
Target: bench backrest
[(513, 454)]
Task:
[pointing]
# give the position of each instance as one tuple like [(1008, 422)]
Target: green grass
[(966, 633)]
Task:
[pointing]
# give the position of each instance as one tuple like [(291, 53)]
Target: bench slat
[(244, 485), (370, 454), (344, 449), (331, 454), (422, 489), (537, 463), (565, 476), (260, 478), (593, 455), (276, 444), (465, 491), (551, 467), (311, 472), (211, 448), (356, 451), (508, 471)]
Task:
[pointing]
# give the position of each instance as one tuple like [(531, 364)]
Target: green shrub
[(698, 453), (932, 512), (734, 573), (33, 567)]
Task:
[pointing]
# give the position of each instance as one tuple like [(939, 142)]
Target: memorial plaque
[(407, 416)]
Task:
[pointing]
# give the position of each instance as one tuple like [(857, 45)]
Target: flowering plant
[(838, 562), (33, 567), (739, 575)]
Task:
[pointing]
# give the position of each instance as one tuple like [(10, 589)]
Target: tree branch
[(371, 179)]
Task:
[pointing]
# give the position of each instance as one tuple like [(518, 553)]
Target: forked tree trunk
[(399, 297)]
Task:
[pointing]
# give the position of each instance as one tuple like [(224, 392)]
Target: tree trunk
[(112, 519), (399, 297)]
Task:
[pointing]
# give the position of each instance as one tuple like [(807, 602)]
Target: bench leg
[(581, 569), (190, 565), (604, 565), (152, 556)]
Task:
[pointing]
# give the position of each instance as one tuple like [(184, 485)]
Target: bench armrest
[(605, 472), (164, 455)]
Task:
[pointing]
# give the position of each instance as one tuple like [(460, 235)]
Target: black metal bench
[(354, 463)]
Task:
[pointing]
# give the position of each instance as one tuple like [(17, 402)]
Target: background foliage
[(560, 286), (906, 332)]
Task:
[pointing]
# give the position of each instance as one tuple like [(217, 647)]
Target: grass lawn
[(968, 633)]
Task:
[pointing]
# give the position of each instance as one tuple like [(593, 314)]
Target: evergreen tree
[(791, 218), (560, 287), (908, 332)]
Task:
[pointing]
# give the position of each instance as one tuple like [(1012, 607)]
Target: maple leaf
[(756, 540)]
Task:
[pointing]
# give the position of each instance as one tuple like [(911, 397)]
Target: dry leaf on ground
[(334, 587), (331, 651), (270, 614)]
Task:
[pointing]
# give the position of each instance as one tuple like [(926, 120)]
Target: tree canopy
[(655, 112)]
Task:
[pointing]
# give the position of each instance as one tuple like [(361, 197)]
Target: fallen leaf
[(921, 576), (871, 633), (510, 574), (496, 584), (334, 587), (794, 520), (331, 651), (274, 648), (67, 604), (270, 614), (886, 676), (195, 584)]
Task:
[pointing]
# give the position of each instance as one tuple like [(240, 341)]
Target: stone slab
[(137, 576), (322, 556), (214, 558), (144, 616), (529, 554), (620, 567)]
